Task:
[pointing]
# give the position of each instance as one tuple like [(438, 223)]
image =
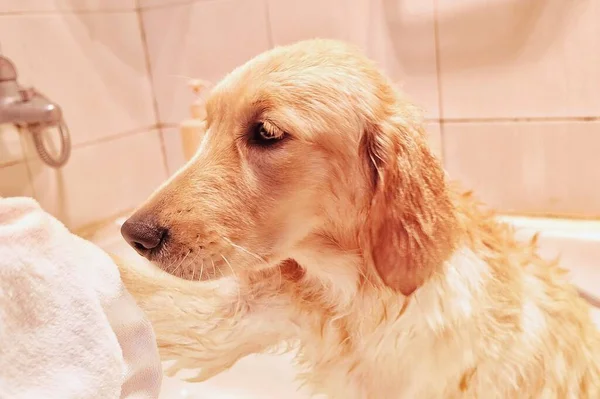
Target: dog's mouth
[(198, 270), (192, 264)]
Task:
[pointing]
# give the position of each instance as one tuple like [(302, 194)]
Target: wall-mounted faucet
[(27, 108)]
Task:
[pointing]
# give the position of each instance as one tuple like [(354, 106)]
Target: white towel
[(68, 327)]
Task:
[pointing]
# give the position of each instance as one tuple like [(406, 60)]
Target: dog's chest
[(387, 346), (394, 361)]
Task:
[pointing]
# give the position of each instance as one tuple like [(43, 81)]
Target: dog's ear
[(409, 231)]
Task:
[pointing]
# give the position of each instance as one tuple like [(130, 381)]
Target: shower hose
[(55, 161)]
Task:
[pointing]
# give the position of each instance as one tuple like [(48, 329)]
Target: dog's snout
[(144, 237)]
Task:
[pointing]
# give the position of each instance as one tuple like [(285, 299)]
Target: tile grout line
[(149, 74), (270, 39), (438, 68), (524, 119), (174, 4), (113, 137), (8, 164), (137, 6), (38, 13), (167, 5), (101, 140)]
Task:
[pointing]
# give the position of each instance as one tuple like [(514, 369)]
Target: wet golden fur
[(346, 240)]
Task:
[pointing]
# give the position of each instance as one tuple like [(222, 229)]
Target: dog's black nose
[(143, 236)]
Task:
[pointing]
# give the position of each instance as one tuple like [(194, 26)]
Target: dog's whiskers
[(185, 257), (181, 262), (193, 271), (195, 267), (161, 253), (246, 250), (239, 295)]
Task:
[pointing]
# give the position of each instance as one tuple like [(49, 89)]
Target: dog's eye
[(266, 134)]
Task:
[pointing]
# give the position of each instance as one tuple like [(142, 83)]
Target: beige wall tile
[(293, 20), (514, 58), (25, 6), (530, 167), (205, 40), (91, 64), (101, 180), (10, 145), (401, 38), (14, 181), (173, 149)]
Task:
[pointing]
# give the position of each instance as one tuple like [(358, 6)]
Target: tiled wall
[(520, 101), (88, 56), (510, 87)]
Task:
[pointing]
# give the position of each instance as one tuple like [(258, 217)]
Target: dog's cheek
[(271, 174)]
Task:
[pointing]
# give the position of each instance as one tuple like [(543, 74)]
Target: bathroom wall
[(510, 88), (89, 57)]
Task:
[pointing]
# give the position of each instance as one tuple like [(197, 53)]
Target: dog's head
[(305, 144)]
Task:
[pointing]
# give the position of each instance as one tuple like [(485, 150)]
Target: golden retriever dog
[(315, 192)]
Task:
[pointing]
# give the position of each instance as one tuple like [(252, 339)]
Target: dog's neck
[(335, 265), (340, 281), (336, 262)]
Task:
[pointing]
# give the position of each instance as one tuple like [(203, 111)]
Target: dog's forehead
[(289, 69)]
